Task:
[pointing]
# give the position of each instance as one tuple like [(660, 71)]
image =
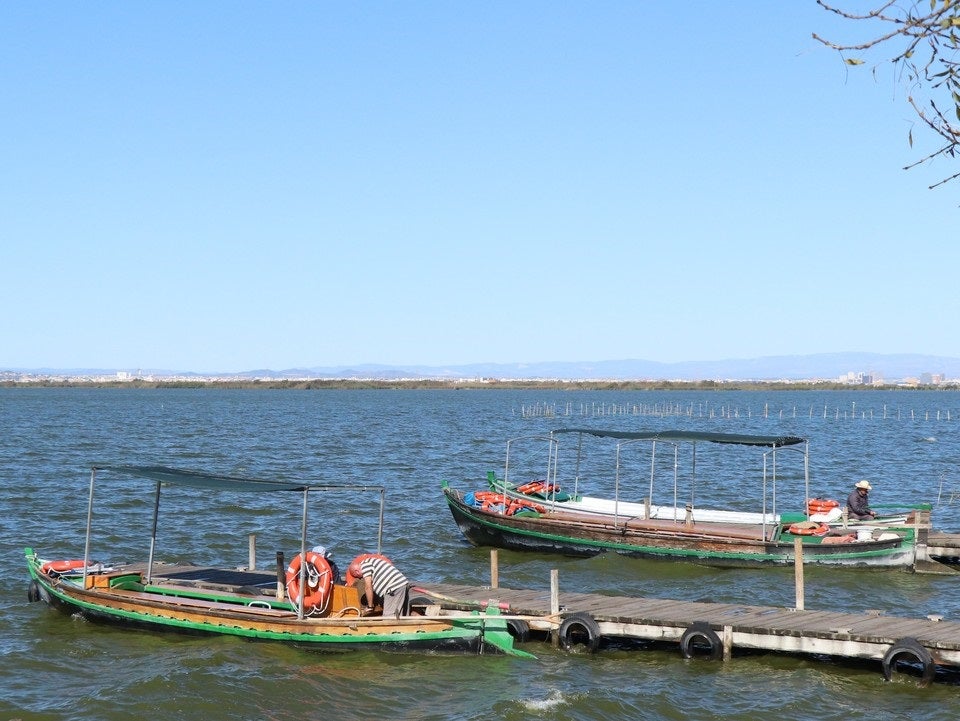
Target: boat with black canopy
[(538, 503), (303, 604)]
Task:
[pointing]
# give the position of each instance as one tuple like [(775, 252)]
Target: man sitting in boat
[(381, 579), (858, 505)]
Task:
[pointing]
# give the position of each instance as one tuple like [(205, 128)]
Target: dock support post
[(554, 591), (727, 643), (281, 577), (252, 552), (554, 602), (494, 569), (798, 571)]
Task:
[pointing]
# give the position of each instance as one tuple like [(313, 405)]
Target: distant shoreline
[(428, 384)]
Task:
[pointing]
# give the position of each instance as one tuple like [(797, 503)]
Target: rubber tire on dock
[(701, 640), (579, 628), (910, 650), (33, 591), (519, 629)]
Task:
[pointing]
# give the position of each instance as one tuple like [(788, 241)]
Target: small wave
[(555, 700)]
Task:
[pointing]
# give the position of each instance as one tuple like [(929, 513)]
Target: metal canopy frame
[(162, 475)]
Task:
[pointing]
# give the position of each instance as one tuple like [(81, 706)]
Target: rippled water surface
[(57, 667)]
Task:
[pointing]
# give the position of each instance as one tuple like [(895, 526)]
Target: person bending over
[(381, 579)]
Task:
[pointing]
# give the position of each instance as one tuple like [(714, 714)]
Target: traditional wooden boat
[(303, 605), (546, 515)]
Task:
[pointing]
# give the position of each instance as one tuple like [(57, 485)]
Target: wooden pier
[(944, 547), (715, 630)]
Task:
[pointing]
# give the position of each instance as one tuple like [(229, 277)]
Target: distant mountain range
[(826, 366), (823, 366)]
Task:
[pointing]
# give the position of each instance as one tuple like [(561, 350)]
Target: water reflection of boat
[(546, 514), (303, 605)]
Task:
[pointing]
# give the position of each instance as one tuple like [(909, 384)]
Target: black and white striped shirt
[(386, 577)]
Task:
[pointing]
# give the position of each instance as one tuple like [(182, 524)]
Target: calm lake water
[(56, 667)]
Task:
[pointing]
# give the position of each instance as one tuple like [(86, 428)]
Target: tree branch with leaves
[(926, 45)]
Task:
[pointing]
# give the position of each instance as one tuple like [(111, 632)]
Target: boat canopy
[(195, 479), (163, 475), (690, 437)]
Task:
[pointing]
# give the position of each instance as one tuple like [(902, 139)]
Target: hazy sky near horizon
[(224, 186)]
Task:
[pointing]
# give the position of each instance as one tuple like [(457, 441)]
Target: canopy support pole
[(153, 533), (86, 545)]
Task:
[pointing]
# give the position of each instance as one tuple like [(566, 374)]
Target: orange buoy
[(319, 581), (821, 505), (537, 487), (520, 504), (62, 566), (808, 528)]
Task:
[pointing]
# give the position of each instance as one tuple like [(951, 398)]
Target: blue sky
[(223, 186)]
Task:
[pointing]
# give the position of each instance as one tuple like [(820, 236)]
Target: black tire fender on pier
[(579, 628), (33, 591), (909, 650), (519, 629), (701, 640)]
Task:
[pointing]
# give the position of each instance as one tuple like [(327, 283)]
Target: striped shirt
[(386, 578)]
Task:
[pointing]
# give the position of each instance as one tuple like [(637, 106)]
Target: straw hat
[(865, 485)]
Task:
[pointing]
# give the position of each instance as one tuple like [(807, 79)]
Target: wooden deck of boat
[(869, 634)]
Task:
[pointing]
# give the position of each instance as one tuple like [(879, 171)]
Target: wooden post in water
[(494, 569), (798, 571), (252, 552), (554, 602), (281, 576), (554, 592)]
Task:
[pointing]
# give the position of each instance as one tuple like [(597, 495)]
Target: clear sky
[(227, 186)]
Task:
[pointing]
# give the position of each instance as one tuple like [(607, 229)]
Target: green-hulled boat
[(545, 512), (303, 605)]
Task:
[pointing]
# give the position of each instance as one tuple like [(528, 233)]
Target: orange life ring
[(821, 505), (61, 566), (354, 568), (519, 504), (492, 501), (539, 487), (316, 594), (490, 496), (808, 528)]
